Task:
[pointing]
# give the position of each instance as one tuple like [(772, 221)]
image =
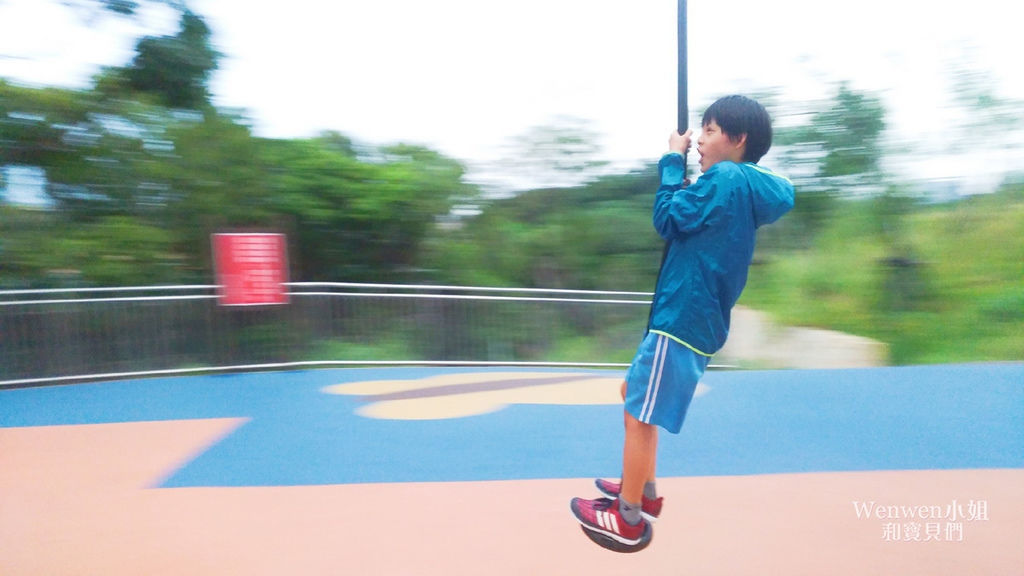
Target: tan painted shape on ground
[(73, 500), (586, 389)]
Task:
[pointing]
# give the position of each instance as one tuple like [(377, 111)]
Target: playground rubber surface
[(909, 470)]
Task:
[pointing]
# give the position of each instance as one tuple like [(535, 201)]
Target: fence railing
[(58, 335)]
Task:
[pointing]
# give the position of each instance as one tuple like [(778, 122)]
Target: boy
[(709, 227)]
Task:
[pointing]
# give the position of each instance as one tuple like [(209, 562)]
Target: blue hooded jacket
[(709, 227)]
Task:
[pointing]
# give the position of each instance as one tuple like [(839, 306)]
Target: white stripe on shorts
[(657, 369)]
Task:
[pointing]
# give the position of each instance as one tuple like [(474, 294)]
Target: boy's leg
[(651, 474), (618, 523), (659, 386), (639, 458)]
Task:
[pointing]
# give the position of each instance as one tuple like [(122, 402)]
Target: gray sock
[(630, 512), (650, 492)]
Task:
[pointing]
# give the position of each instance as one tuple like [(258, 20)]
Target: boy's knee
[(632, 423)]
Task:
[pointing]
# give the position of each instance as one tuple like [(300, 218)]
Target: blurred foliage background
[(123, 183)]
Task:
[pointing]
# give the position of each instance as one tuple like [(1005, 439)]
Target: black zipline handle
[(683, 118), (682, 121)]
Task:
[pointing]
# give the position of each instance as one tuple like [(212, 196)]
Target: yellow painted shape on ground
[(466, 394)]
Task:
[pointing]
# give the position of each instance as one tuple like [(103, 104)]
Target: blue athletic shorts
[(661, 380)]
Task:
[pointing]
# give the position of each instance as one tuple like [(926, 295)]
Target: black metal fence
[(77, 334)]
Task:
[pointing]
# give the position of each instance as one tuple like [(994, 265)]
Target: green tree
[(841, 138), (175, 69), (849, 132), (356, 220), (97, 154), (596, 236), (214, 180), (113, 251), (831, 156)]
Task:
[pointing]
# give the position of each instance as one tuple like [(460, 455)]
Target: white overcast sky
[(466, 76)]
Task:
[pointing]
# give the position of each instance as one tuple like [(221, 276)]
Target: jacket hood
[(773, 194)]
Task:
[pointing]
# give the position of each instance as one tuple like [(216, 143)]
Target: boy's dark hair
[(738, 115)]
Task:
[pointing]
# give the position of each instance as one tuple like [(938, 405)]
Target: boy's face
[(715, 146)]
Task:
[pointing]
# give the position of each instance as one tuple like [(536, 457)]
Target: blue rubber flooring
[(749, 422)]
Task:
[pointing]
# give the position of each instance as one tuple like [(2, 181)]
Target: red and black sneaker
[(602, 523), (650, 509)]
